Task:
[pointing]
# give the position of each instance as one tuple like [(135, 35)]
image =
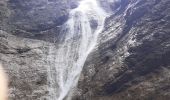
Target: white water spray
[(79, 40)]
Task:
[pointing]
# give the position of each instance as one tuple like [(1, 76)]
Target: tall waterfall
[(80, 37)]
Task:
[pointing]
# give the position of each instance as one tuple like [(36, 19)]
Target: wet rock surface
[(131, 60), (23, 24)]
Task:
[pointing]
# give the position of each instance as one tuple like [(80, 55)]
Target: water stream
[(80, 37)]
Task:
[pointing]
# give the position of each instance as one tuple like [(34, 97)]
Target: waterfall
[(80, 37)]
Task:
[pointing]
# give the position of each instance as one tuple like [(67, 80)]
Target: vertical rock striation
[(131, 60)]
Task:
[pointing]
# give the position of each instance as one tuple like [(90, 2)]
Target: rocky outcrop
[(36, 16), (25, 61), (131, 60), (40, 19), (23, 24)]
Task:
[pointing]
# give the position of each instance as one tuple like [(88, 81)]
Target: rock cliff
[(40, 19), (25, 25), (130, 62)]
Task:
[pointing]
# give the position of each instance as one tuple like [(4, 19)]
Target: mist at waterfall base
[(78, 41)]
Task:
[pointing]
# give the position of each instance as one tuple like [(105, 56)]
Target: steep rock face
[(38, 19), (40, 15), (26, 63), (131, 60), (26, 59)]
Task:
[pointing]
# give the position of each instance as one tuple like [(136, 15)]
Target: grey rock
[(34, 18), (131, 60), (26, 65)]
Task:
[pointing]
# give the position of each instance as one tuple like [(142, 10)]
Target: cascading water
[(79, 40)]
